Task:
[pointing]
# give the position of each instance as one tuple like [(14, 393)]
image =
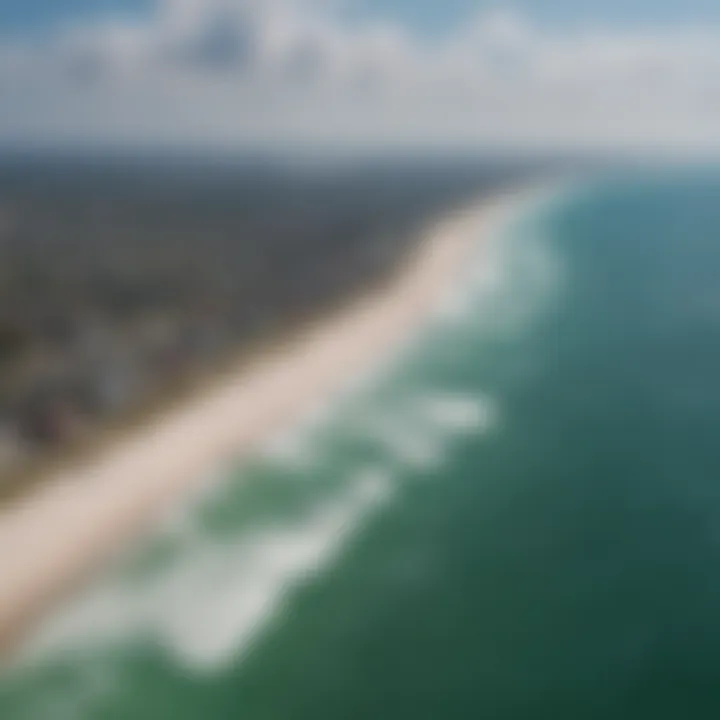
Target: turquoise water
[(517, 519)]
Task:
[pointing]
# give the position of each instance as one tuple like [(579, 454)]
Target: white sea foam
[(457, 412), (421, 451), (417, 430), (208, 605), (291, 449)]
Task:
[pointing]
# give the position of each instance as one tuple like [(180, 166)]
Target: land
[(123, 286)]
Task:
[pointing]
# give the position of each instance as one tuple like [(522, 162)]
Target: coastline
[(79, 517)]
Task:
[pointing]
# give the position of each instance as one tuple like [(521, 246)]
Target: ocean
[(517, 518)]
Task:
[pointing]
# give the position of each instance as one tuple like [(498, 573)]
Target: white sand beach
[(77, 520)]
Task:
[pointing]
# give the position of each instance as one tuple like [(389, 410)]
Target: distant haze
[(337, 75)]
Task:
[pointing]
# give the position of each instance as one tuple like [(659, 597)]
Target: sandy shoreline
[(80, 517)]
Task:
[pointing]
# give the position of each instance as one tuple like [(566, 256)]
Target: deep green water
[(520, 519)]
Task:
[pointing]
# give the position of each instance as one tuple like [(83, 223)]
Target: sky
[(361, 76), (23, 16)]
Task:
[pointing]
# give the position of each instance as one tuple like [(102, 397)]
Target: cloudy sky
[(361, 75)]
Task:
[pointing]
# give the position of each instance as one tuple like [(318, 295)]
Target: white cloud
[(285, 73)]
